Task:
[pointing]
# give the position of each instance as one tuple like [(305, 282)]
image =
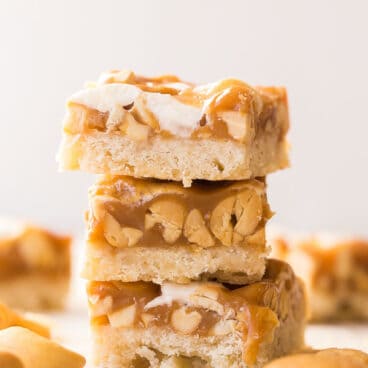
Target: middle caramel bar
[(149, 230)]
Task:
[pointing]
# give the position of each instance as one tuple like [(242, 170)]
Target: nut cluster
[(231, 105), (137, 122), (232, 221), (210, 309), (181, 318)]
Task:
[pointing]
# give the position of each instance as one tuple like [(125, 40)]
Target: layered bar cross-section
[(149, 230), (166, 129), (199, 324)]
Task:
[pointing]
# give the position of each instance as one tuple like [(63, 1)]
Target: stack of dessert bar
[(176, 248)]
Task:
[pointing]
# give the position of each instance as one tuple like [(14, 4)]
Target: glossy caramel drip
[(251, 108), (256, 309), (124, 294)]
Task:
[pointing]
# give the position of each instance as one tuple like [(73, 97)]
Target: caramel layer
[(204, 308), (229, 109), (130, 212)]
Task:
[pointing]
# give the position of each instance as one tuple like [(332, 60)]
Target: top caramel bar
[(167, 129)]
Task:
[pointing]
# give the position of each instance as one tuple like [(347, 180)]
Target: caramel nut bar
[(166, 129), (34, 266), (154, 231), (335, 272), (201, 324)]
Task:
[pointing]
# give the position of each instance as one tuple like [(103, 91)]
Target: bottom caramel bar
[(200, 324), (335, 273)]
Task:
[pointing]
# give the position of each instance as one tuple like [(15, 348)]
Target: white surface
[(316, 48)]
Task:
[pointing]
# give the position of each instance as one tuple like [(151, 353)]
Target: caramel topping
[(162, 84), (129, 212), (342, 267), (231, 109)]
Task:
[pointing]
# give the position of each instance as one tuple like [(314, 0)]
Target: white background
[(318, 49)]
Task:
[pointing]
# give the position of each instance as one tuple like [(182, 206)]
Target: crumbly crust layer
[(178, 263)]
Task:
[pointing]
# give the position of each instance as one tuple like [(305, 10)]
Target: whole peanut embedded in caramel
[(127, 212)]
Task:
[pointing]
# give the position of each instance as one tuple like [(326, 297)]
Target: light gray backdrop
[(318, 49)]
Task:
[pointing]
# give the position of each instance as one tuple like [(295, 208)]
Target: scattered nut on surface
[(170, 215), (195, 230), (123, 317), (119, 236), (185, 322)]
